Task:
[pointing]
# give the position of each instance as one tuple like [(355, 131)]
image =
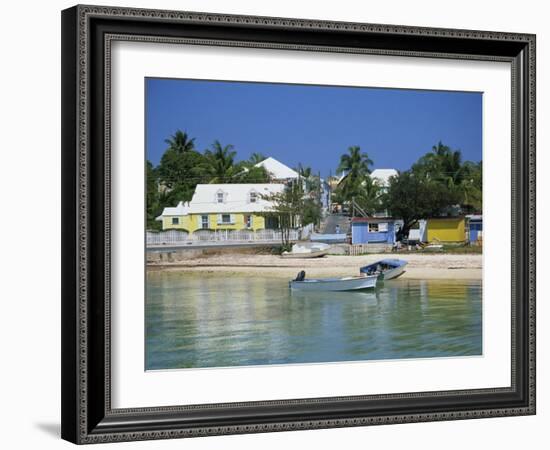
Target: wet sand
[(420, 266)]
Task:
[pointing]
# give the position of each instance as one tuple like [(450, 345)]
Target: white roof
[(383, 175), (236, 199), (341, 177), (277, 169)]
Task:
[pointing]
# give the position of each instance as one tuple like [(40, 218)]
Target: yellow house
[(222, 207), (446, 229)]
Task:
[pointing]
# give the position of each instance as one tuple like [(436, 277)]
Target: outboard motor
[(301, 276)]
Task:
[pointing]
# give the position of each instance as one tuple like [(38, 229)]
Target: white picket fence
[(176, 237), (306, 231), (362, 249)]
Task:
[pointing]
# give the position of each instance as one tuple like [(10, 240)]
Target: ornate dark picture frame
[(87, 33)]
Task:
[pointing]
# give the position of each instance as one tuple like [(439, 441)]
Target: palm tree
[(471, 186), (312, 183), (463, 181), (355, 163), (180, 143), (356, 166), (369, 196), (256, 158), (220, 162), (442, 164), (303, 171)]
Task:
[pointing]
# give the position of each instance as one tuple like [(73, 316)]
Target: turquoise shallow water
[(197, 320)]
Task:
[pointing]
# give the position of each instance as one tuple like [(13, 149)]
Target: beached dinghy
[(333, 284), (313, 250), (385, 269)]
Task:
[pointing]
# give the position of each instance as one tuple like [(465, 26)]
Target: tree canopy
[(444, 166), (288, 208), (357, 185), (438, 182), (182, 167), (412, 197), (180, 143)]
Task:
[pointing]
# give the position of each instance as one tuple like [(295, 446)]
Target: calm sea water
[(197, 320)]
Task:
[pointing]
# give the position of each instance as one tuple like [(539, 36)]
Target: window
[(373, 228), (383, 226), (253, 197), (220, 197), (248, 221), (175, 220), (271, 223), (204, 222), (225, 219)]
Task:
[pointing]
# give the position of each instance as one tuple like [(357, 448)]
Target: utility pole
[(330, 191)]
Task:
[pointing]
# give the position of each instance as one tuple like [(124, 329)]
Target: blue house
[(375, 230), (475, 227)]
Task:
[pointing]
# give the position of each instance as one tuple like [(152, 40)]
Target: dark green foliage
[(256, 158), (180, 142), (311, 212), (471, 187), (182, 167), (288, 209), (180, 172), (357, 186), (444, 166), (154, 207), (247, 173), (355, 163), (312, 194), (220, 163), (411, 197)]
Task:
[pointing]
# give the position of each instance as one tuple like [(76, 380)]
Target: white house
[(382, 176), (223, 206), (277, 169)]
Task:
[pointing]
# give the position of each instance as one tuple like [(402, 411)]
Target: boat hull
[(392, 268), (335, 284), (392, 273), (314, 254)]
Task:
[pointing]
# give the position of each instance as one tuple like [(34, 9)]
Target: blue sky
[(313, 125)]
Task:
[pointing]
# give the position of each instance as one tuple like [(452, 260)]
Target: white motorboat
[(333, 284), (434, 247), (312, 250), (385, 269)]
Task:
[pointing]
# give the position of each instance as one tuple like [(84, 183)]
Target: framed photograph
[(279, 224)]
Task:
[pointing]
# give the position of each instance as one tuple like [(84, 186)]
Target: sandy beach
[(420, 266)]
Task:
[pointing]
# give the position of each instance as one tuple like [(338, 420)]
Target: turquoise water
[(198, 320)]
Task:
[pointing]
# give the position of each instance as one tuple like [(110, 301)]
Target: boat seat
[(301, 276)]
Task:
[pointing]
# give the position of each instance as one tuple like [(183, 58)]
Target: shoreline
[(420, 266)]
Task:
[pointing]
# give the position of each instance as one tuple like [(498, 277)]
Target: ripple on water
[(217, 321)]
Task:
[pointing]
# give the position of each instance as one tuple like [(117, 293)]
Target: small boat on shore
[(433, 247), (385, 269), (300, 283), (314, 250)]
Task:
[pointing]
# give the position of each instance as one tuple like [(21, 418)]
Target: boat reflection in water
[(199, 320)]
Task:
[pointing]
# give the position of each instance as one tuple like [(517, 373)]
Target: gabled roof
[(236, 199), (277, 169)]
